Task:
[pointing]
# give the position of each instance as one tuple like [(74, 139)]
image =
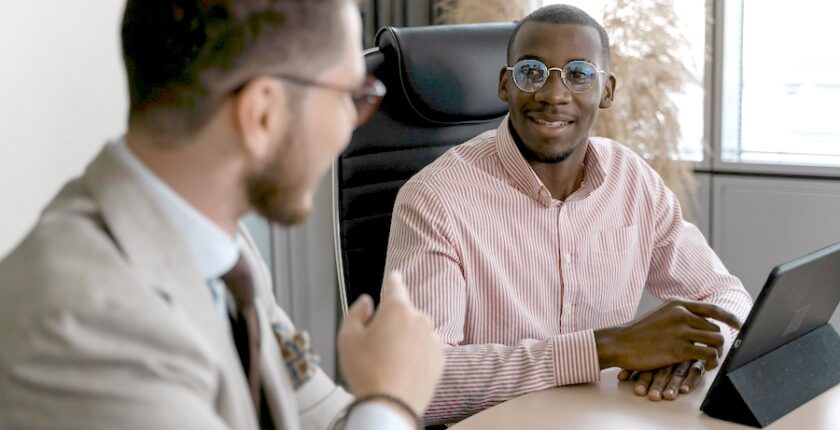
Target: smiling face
[(553, 122)]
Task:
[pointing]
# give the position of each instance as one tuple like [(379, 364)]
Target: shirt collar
[(526, 180), (213, 250)]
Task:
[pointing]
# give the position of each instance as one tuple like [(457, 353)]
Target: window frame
[(724, 39)]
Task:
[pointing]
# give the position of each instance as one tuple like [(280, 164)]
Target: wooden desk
[(610, 405)]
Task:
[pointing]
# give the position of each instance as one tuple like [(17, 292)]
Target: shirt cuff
[(375, 416), (576, 358)]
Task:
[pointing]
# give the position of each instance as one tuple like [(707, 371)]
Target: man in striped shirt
[(530, 246)]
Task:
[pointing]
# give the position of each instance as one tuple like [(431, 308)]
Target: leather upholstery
[(442, 90)]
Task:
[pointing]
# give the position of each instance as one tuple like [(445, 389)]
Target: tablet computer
[(798, 298)]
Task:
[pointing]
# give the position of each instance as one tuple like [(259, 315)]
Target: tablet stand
[(768, 387)]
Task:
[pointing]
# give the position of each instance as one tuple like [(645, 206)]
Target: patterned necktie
[(244, 325)]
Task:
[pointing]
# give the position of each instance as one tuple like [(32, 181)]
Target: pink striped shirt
[(515, 281)]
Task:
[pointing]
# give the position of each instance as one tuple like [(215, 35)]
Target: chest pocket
[(615, 241), (612, 292)]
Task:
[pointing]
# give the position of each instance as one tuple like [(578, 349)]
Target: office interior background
[(757, 125)]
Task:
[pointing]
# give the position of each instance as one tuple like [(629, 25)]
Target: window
[(781, 80)]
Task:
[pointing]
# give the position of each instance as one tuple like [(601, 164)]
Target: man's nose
[(554, 91)]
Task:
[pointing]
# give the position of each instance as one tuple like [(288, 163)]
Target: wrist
[(606, 345), (393, 403), (409, 416)]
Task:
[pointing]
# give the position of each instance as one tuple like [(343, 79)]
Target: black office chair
[(442, 86)]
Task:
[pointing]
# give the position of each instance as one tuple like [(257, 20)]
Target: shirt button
[(567, 257)]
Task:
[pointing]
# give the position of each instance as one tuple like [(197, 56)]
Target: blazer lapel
[(277, 388), (153, 246), (279, 394)]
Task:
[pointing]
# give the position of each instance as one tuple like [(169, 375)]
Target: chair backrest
[(442, 86)]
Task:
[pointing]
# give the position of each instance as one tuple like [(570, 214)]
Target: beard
[(544, 158), (277, 192), (279, 204), (532, 155)]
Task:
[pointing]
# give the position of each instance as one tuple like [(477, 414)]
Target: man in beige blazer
[(119, 309)]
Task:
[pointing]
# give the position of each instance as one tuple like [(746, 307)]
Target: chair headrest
[(449, 74)]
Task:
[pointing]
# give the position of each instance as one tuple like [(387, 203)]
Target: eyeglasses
[(366, 97), (578, 75)]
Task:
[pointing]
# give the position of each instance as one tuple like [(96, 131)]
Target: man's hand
[(394, 351), (666, 383), (675, 332)]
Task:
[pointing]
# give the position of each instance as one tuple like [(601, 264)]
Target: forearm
[(477, 377), (688, 268)]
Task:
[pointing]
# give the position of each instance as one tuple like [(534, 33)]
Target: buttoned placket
[(565, 254)]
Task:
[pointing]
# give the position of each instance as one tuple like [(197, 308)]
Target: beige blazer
[(106, 324)]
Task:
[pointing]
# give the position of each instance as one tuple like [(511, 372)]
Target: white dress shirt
[(215, 252)]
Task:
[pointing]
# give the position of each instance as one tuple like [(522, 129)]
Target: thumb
[(359, 313), (394, 288)]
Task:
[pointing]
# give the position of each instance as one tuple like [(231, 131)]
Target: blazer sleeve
[(103, 362)]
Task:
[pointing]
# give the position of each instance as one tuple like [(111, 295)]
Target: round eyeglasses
[(578, 75)]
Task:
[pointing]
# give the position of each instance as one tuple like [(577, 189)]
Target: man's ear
[(503, 82), (609, 92), (259, 109)]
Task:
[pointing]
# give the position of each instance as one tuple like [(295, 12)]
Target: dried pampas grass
[(475, 11), (647, 44)]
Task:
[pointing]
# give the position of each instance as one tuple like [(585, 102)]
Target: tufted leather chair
[(442, 90)]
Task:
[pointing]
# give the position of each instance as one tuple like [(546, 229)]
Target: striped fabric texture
[(515, 282)]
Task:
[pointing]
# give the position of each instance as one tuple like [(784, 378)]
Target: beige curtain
[(646, 46), (475, 11), (398, 13)]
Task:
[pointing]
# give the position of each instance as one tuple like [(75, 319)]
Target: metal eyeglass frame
[(561, 70)]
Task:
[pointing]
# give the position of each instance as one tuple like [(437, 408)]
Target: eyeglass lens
[(367, 99), (531, 75)]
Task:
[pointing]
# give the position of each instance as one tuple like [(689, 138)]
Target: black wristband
[(380, 396)]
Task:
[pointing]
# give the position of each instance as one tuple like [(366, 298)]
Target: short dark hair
[(563, 14), (184, 57)]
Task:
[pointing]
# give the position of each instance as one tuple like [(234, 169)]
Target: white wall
[(759, 223), (62, 94)]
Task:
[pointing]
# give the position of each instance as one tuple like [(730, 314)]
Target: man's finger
[(427, 321), (709, 310), (642, 385), (393, 288), (672, 390), (661, 378), (712, 339), (695, 371), (701, 323), (705, 353), (359, 313), (624, 375)]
